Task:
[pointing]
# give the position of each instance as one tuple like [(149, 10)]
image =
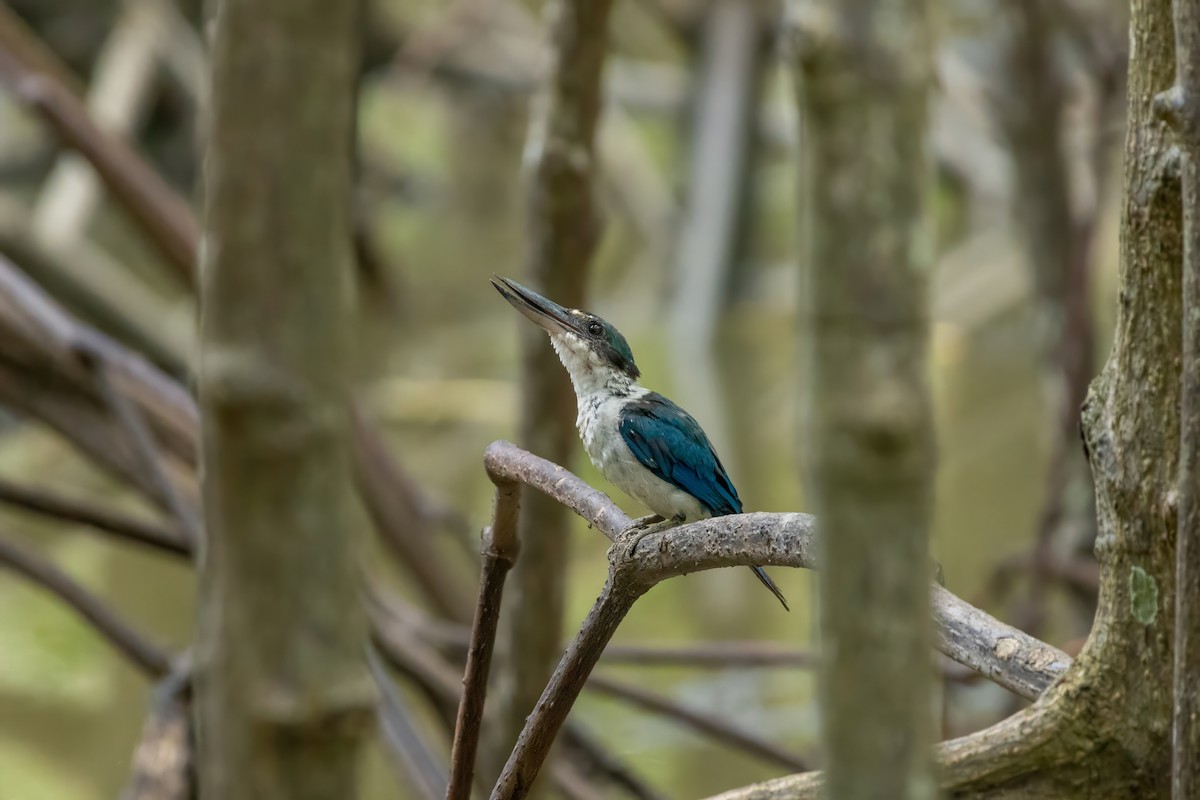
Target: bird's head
[(590, 348)]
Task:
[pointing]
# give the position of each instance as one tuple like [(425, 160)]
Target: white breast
[(598, 421)]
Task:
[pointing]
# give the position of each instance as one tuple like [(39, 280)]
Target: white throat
[(590, 375)]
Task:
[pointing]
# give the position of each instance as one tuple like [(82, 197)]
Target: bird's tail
[(762, 575)]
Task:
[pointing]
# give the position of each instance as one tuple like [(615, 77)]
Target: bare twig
[(86, 279), (702, 722), (601, 763), (42, 376), (404, 651), (144, 448), (121, 88), (504, 461), (162, 762), (533, 745), (401, 647), (48, 504), (709, 655), (120, 634), (713, 656), (499, 553), (161, 212), (702, 655), (407, 747), (574, 785), (395, 505)]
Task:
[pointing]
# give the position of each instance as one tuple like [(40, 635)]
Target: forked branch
[(1008, 656)]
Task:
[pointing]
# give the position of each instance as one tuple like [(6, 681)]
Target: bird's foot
[(640, 524), (641, 528)]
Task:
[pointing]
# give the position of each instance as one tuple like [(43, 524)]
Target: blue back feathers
[(666, 440)]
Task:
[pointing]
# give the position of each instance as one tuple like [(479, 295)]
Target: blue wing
[(666, 440)]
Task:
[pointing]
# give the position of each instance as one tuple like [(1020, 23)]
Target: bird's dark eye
[(595, 329)]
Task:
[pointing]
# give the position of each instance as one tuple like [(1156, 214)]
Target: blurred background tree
[(696, 140)]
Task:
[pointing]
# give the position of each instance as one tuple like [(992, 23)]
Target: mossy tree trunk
[(283, 694), (864, 75)]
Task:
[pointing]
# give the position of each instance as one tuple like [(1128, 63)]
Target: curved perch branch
[(1009, 657)]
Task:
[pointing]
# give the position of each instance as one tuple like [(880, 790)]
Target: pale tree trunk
[(1182, 105), (864, 74), (283, 695), (564, 228)]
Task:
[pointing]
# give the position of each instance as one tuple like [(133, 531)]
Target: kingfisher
[(640, 441)]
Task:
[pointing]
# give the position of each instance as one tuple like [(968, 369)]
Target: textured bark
[(1004, 654), (563, 229), (283, 693), (500, 548), (163, 767), (1103, 729), (1184, 111), (864, 69)]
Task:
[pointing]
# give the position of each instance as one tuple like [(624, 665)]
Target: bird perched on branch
[(649, 447)]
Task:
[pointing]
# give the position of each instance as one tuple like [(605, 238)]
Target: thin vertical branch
[(283, 693), (863, 70), (500, 546), (407, 652), (533, 745), (564, 227), (1181, 108)]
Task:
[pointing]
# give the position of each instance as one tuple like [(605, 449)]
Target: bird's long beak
[(546, 313)]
